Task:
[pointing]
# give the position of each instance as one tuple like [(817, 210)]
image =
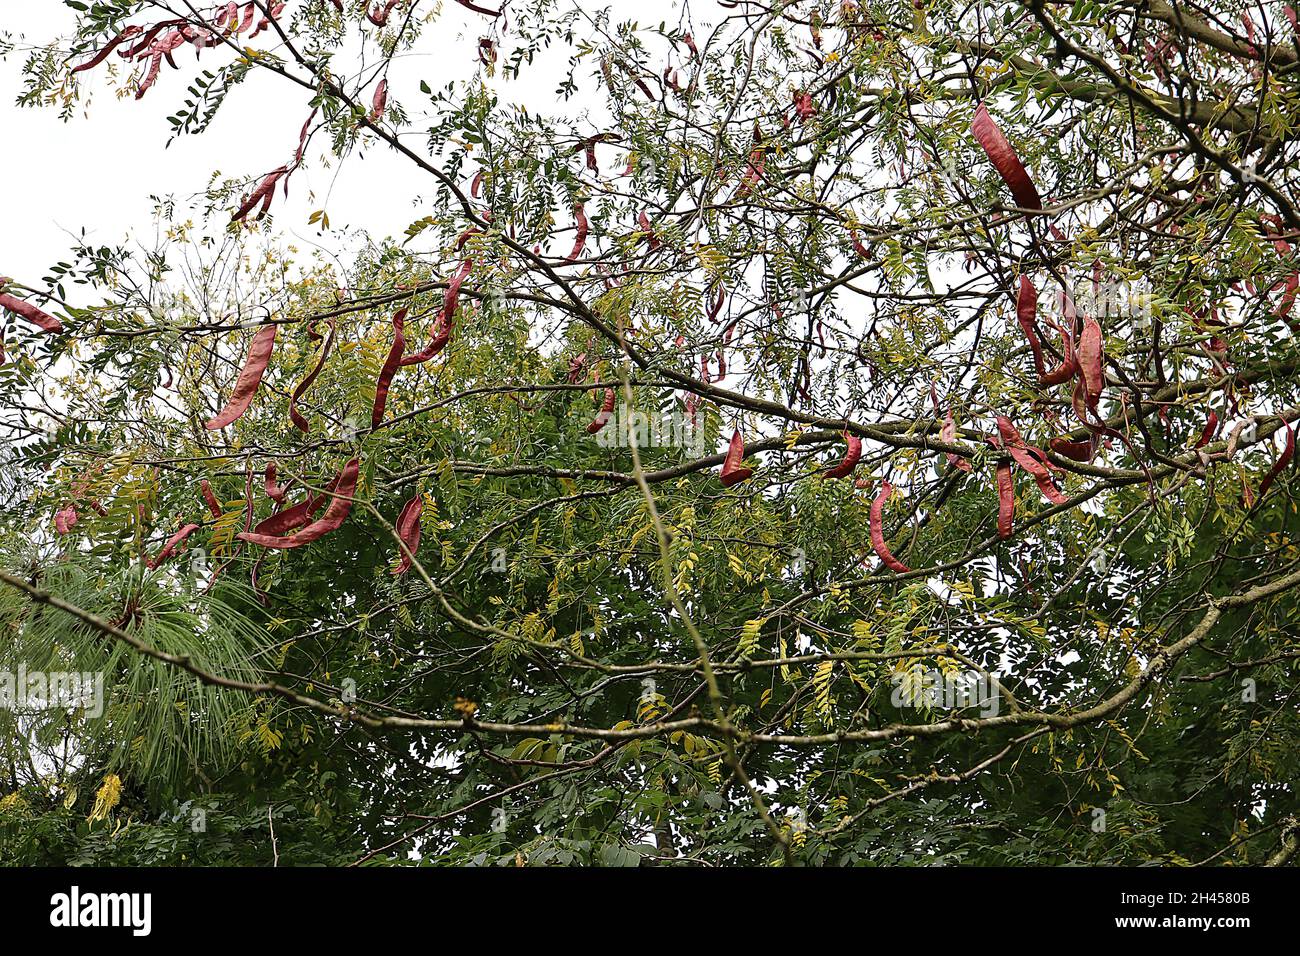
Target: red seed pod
[(603, 416), (804, 107), (1209, 431), (753, 170), (576, 366), (580, 238), (1283, 459), (1026, 310), (644, 222), (151, 75), (302, 143), (264, 193), (170, 547), (294, 415), (443, 324), (719, 300), (391, 364), (1074, 450), (1004, 160), (344, 488), (732, 472), (274, 491), (1031, 459), (1067, 369), (1006, 499), (1089, 358), (26, 310), (379, 15), (266, 22), (876, 527), (690, 44), (227, 17), (380, 101), (214, 506), (408, 529), (476, 184), (300, 514), (65, 519), (108, 48), (468, 5), (949, 434), (250, 377), (851, 457), (858, 247)]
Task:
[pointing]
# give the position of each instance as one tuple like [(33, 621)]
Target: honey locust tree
[(811, 433)]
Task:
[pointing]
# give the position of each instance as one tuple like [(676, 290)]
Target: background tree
[(994, 303)]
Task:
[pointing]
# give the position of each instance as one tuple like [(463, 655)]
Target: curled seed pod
[(1209, 431), (302, 144), (109, 47), (391, 364), (443, 324), (469, 5), (1288, 450), (250, 377), (858, 247), (1006, 499), (282, 522), (949, 434), (1074, 450), (214, 506), (876, 526), (380, 101), (643, 221), (732, 472), (170, 547), (65, 519), (753, 172), (719, 300), (1004, 159), (1026, 311), (804, 107), (26, 310), (340, 505), (577, 365), (263, 194), (1067, 369), (151, 75), (851, 457), (1031, 459), (580, 238), (603, 416), (265, 23), (274, 491), (408, 529), (379, 15), (294, 415)]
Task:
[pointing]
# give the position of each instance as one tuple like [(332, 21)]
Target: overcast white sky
[(98, 170)]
